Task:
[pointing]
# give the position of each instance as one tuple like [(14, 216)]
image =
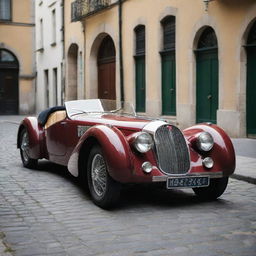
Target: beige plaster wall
[(229, 19), (18, 37), (74, 34)]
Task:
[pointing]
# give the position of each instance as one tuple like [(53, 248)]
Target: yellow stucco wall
[(17, 36), (230, 20)]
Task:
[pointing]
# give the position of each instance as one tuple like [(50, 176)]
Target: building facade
[(74, 56), (185, 61), (49, 53), (17, 65)]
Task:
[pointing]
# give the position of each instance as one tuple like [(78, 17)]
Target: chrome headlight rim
[(143, 142), (205, 141)]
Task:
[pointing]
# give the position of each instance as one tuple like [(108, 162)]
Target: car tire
[(105, 191), (214, 190), (24, 147)]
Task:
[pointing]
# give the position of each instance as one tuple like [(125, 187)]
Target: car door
[(56, 138)]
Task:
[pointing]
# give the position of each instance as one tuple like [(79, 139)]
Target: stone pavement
[(47, 212), (246, 159)]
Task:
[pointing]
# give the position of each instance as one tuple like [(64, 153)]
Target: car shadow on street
[(133, 196)]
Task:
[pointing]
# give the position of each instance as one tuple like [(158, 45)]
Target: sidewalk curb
[(244, 178)]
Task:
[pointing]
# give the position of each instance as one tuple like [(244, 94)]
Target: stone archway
[(72, 81)]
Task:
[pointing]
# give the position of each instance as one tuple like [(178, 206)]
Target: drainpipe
[(121, 50)]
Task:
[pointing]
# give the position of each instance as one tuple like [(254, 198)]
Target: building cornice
[(10, 23)]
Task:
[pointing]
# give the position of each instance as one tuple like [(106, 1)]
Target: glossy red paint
[(222, 153), (35, 137), (62, 144)]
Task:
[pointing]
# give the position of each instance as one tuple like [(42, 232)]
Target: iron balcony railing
[(83, 8)]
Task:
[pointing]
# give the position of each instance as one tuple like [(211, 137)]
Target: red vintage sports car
[(107, 146)]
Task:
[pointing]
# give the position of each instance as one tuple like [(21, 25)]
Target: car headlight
[(143, 142), (205, 141)]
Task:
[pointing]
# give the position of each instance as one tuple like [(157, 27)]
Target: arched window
[(251, 81), (168, 25), (7, 59), (207, 39), (168, 67), (140, 79), (207, 77)]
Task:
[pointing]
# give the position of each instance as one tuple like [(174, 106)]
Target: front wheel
[(104, 191), (24, 151), (214, 190)]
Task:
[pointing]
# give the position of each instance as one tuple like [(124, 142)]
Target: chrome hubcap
[(25, 146), (99, 175)]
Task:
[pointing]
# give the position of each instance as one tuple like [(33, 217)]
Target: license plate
[(188, 182)]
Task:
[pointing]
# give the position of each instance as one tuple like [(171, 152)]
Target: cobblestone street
[(47, 212)]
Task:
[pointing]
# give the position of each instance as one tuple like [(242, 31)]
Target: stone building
[(49, 53), (17, 52), (185, 61)]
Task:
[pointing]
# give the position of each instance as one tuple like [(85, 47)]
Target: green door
[(140, 83), (206, 85), (251, 90), (168, 84)]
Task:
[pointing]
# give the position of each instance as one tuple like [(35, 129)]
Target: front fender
[(115, 148), (35, 136), (222, 153)]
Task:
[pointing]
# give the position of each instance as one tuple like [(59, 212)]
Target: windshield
[(92, 106)]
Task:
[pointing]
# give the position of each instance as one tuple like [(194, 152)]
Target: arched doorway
[(207, 73), (9, 83), (107, 69), (168, 67), (251, 81), (72, 72)]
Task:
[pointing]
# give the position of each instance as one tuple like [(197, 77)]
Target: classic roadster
[(106, 145)]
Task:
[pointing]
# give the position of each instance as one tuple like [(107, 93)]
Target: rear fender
[(115, 147), (35, 136)]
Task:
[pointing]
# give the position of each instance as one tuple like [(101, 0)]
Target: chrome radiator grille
[(171, 150)]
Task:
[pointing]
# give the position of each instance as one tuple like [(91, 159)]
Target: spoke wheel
[(104, 191), (99, 175), (24, 151)]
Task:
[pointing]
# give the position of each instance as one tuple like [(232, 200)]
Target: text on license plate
[(189, 182)]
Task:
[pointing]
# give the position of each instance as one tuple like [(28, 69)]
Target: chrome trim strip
[(164, 178)]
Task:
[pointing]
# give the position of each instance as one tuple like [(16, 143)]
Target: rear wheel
[(214, 190), (24, 151), (104, 191)]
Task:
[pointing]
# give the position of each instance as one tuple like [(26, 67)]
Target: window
[(140, 70), (53, 27), (46, 84), (140, 40), (168, 25), (41, 39), (55, 86), (5, 10)]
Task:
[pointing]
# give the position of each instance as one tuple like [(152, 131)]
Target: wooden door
[(9, 83), (107, 70), (207, 77), (9, 91), (251, 82), (168, 84), (207, 86)]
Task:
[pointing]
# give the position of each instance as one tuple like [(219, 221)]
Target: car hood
[(120, 121)]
